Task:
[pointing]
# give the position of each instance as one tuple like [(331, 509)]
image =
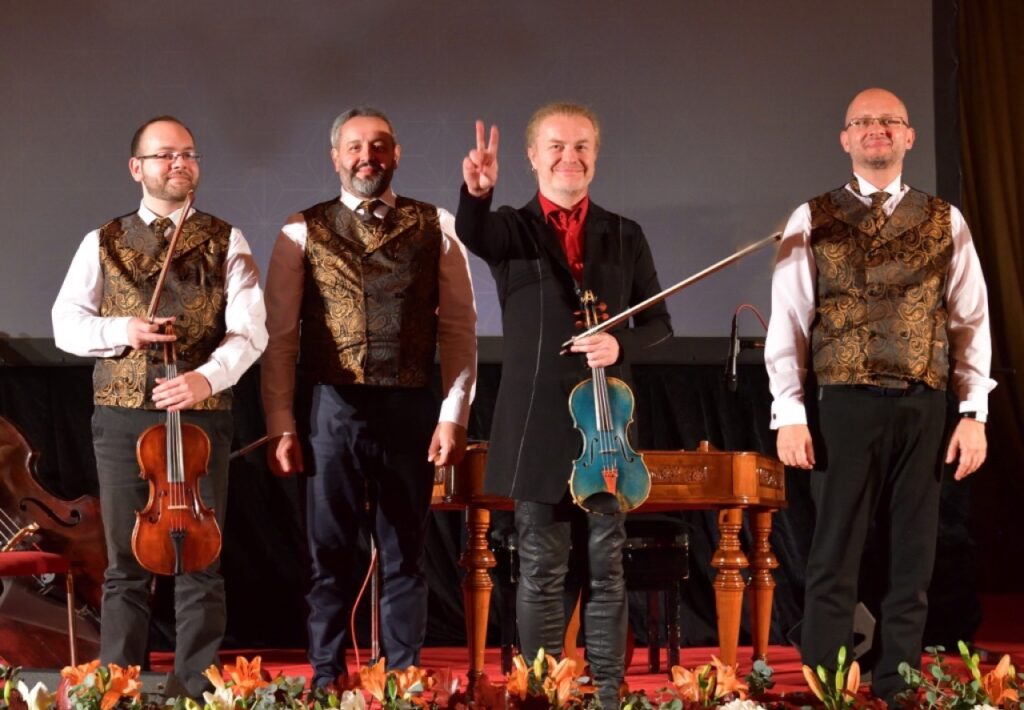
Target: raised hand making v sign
[(480, 167)]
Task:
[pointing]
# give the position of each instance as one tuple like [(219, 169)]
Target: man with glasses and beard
[(878, 305), (212, 298), (361, 291)]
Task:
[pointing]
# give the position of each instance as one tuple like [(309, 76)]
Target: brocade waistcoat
[(131, 256), (881, 312), (369, 305)]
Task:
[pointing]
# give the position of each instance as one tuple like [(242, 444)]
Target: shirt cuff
[(979, 408), (787, 412), (215, 376), (279, 423)]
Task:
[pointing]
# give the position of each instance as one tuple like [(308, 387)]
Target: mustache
[(367, 164)]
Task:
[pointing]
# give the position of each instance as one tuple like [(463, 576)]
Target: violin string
[(7, 529), (175, 470)]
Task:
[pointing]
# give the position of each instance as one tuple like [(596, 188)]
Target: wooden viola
[(609, 476), (175, 533)]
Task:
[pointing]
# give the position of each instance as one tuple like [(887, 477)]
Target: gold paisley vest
[(881, 312), (131, 256), (369, 304)]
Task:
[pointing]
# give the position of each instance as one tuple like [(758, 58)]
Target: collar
[(896, 187), (352, 201), (577, 212), (148, 216)]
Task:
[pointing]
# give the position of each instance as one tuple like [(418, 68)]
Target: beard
[(372, 186), (164, 189), (881, 162)]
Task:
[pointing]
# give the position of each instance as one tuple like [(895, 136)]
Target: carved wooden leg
[(762, 583), (477, 559), (729, 560)]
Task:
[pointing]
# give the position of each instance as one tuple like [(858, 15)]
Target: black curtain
[(264, 557)]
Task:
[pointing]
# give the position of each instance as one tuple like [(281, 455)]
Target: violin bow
[(157, 291), (659, 297)]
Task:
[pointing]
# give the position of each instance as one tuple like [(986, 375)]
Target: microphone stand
[(659, 297)]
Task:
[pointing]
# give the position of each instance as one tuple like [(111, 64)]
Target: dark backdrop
[(677, 406)]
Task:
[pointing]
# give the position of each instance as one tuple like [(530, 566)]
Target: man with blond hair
[(542, 256)]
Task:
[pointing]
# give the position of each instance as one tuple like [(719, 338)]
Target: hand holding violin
[(602, 350), (142, 333), (181, 392)]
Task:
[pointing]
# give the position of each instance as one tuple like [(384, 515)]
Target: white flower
[(352, 700), (220, 699), (39, 698), (742, 705), (986, 706)]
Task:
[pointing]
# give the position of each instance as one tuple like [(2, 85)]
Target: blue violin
[(609, 476)]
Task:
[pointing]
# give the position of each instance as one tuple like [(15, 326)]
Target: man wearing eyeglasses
[(362, 289), (878, 306), (212, 298)]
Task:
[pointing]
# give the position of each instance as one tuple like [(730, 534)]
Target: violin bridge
[(611, 477)]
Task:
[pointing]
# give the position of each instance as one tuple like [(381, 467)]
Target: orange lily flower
[(812, 682), (995, 685), (518, 681), (412, 682), (213, 675), (559, 684), (853, 679), (245, 676), (124, 683), (726, 681), (374, 679), (77, 674), (687, 683)]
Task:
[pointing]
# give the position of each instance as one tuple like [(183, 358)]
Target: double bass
[(33, 625), (176, 533), (609, 476)]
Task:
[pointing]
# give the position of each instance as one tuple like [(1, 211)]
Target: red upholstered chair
[(32, 563)]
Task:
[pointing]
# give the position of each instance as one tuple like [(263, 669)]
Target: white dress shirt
[(78, 327), (787, 347), (456, 319)]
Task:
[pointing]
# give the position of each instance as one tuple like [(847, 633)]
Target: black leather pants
[(545, 534)]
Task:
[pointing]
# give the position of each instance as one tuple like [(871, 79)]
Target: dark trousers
[(200, 615), (367, 440), (879, 462), (547, 535)]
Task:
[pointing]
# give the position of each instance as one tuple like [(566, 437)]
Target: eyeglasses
[(189, 156), (883, 121)]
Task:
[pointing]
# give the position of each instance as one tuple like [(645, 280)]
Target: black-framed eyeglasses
[(883, 121), (189, 156)]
